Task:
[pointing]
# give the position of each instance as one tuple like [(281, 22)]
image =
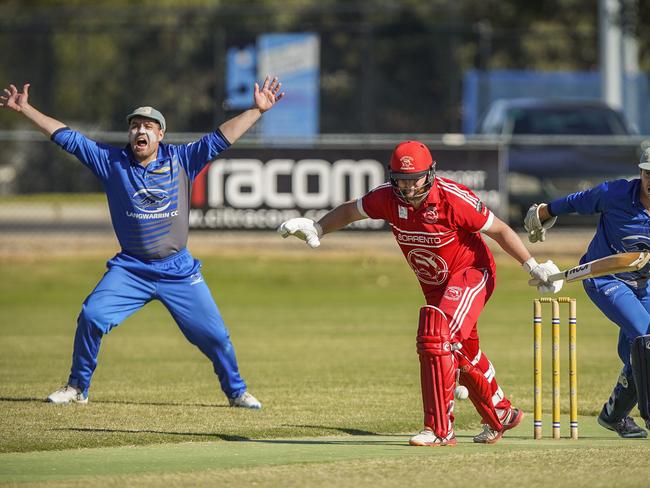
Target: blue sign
[(295, 59), (241, 74)]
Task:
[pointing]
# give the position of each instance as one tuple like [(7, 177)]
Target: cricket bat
[(616, 263)]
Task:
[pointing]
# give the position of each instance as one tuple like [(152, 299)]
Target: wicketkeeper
[(438, 225), (147, 184), (624, 298)]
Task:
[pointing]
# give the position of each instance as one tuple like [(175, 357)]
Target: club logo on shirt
[(403, 212), (636, 243), (430, 215), (151, 200), (631, 244), (428, 266)]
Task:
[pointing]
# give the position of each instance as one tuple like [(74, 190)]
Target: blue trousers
[(177, 282), (627, 307)]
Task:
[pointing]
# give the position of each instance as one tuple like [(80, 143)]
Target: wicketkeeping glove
[(540, 274), (535, 228), (302, 228)]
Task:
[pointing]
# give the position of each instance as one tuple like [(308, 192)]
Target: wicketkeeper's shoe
[(490, 435), (625, 428), (67, 394), (246, 400), (426, 437)]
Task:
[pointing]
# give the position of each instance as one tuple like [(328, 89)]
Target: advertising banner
[(260, 188)]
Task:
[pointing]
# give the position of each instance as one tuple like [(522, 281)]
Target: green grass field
[(327, 343)]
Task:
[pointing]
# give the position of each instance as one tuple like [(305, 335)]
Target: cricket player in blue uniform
[(624, 298), (148, 184)]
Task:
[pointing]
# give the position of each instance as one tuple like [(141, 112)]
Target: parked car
[(536, 116), (585, 142)]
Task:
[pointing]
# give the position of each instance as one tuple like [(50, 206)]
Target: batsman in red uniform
[(438, 224)]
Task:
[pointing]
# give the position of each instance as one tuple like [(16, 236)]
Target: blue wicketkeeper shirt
[(624, 224), (149, 206)]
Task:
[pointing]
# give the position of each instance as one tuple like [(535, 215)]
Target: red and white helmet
[(411, 160)]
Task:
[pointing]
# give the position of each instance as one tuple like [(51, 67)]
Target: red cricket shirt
[(441, 237)]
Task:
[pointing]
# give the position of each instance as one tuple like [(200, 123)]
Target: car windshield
[(567, 120)]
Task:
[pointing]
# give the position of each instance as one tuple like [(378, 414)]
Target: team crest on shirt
[(403, 212), (453, 293), (151, 200), (430, 215), (428, 266), (636, 243)]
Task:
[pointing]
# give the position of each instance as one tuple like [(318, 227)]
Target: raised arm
[(264, 98), (19, 102)]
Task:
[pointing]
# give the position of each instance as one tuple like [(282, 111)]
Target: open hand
[(14, 99), (268, 95)]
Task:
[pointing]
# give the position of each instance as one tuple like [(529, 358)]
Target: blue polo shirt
[(149, 206), (624, 224)]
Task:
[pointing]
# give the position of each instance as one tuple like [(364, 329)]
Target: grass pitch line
[(201, 456)]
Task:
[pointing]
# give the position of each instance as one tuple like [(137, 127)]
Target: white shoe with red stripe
[(426, 437), (490, 436)]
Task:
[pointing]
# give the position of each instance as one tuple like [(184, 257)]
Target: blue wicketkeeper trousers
[(626, 306)]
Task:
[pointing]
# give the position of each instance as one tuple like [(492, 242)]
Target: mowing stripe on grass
[(200, 456)]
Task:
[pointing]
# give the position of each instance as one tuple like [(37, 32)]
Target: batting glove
[(302, 228), (540, 274)]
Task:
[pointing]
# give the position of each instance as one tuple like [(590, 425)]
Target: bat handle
[(554, 277)]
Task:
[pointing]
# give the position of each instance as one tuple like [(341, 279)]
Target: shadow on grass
[(380, 441), (362, 432), (373, 439), (24, 399), (224, 437), (345, 430), (121, 402)]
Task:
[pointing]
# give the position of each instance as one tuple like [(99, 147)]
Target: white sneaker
[(245, 400), (488, 436), (426, 437), (67, 394)]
